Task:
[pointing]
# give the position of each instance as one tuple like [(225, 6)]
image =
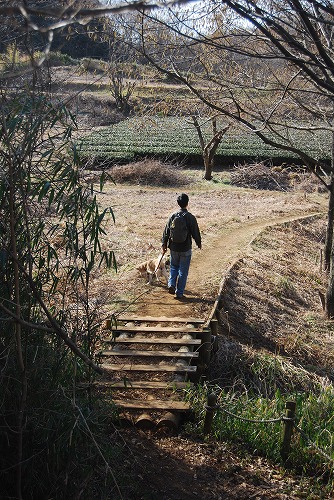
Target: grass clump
[(65, 453), (275, 178), (260, 176), (149, 173)]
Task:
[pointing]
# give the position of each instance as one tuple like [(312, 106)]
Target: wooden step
[(160, 319), (148, 368), (153, 404), (151, 354), (144, 384), (154, 340), (160, 329)]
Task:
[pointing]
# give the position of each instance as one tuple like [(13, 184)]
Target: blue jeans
[(179, 268)]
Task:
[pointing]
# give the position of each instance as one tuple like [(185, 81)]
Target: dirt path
[(208, 268)]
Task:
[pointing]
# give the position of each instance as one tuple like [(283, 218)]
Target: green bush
[(59, 59)]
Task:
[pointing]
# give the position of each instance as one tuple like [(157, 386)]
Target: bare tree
[(209, 147)]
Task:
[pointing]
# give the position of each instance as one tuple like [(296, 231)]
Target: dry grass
[(149, 173), (283, 178), (277, 335), (141, 213)]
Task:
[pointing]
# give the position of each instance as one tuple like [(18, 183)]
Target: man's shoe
[(171, 290), (179, 297)]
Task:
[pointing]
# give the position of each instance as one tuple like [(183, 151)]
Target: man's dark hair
[(183, 200)]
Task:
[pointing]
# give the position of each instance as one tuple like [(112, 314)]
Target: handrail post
[(214, 326), (205, 348), (214, 335), (210, 411), (290, 411)]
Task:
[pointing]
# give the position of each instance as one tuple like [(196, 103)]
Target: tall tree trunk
[(330, 289), (330, 224), (330, 215), (329, 244)]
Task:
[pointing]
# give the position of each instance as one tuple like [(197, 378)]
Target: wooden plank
[(161, 319), (151, 354), (154, 340), (144, 384), (156, 329), (153, 404), (148, 368)]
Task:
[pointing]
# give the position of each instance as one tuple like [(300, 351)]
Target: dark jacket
[(193, 232)]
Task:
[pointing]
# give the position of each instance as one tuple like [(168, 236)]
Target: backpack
[(179, 228)]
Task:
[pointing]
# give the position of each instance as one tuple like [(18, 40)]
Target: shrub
[(148, 172), (275, 178), (59, 59), (260, 176)]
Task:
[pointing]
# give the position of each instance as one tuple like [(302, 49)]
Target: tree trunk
[(209, 149), (208, 166), (330, 224), (330, 216), (329, 249), (330, 289)]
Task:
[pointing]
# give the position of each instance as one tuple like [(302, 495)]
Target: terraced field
[(176, 136)]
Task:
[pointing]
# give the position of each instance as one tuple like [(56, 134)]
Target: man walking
[(180, 229)]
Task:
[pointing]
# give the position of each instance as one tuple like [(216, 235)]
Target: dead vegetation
[(279, 178), (275, 332), (149, 172), (273, 326)]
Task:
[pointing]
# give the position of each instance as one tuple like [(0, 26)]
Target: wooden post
[(210, 411), (214, 338), (205, 349), (290, 410), (214, 326)]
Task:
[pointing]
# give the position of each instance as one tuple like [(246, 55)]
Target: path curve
[(208, 268)]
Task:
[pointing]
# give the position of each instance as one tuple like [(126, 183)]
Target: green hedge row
[(163, 137)]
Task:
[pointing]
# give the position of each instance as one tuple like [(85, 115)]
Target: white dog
[(153, 268)]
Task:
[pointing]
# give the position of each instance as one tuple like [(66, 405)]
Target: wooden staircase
[(149, 362)]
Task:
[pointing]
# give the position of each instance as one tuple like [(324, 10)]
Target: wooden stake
[(290, 409), (214, 326), (214, 337), (210, 411), (205, 349)]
